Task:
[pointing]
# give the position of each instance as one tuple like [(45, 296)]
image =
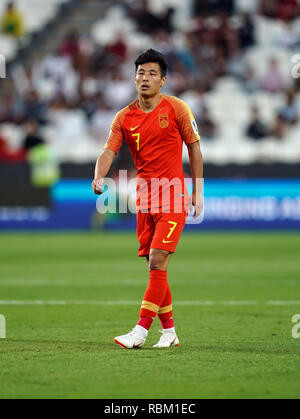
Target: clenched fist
[(97, 186)]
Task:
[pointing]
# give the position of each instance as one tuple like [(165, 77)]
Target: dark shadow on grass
[(100, 346), (85, 345)]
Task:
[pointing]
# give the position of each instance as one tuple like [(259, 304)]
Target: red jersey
[(155, 140)]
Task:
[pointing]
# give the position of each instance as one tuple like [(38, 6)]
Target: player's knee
[(157, 260)]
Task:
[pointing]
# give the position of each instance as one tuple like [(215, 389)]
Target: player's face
[(148, 79)]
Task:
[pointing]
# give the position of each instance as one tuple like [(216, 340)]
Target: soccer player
[(155, 126)]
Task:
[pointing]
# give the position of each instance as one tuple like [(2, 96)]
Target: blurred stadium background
[(69, 69)]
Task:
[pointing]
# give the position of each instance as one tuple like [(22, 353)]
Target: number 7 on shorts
[(170, 232)]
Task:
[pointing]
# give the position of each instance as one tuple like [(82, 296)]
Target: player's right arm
[(103, 165), (111, 148)]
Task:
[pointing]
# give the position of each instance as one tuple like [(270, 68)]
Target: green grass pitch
[(66, 296)]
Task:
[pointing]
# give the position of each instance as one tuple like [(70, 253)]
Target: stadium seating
[(35, 18), (8, 47), (229, 103), (230, 106)]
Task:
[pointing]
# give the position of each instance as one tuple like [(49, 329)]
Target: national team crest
[(164, 118)]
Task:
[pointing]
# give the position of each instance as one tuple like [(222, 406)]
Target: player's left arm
[(196, 164), (190, 135)]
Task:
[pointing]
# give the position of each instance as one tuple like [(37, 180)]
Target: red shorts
[(159, 231)]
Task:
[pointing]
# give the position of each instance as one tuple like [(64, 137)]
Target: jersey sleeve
[(187, 123), (115, 138)]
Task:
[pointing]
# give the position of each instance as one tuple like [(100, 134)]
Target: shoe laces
[(165, 335), (132, 332)]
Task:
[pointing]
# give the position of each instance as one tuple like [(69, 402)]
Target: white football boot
[(134, 339), (167, 340)]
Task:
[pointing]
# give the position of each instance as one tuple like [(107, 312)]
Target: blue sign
[(228, 204)]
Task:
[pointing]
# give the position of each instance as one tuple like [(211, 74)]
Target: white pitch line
[(283, 303), (134, 303)]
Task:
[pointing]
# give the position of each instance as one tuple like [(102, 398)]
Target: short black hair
[(152, 56)]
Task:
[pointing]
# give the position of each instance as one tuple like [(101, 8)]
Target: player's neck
[(147, 104)]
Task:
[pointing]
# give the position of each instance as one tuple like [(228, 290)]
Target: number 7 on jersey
[(137, 135)]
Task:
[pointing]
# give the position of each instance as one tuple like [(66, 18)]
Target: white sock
[(141, 330)]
